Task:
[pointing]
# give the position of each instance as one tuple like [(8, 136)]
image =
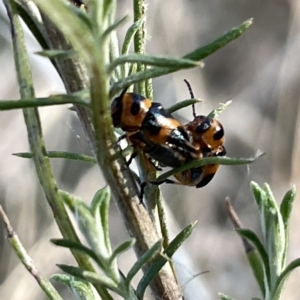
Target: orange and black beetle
[(206, 133), (152, 129), (129, 110), (207, 136)]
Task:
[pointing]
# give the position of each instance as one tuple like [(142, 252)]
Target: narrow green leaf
[(213, 114), (162, 220), (100, 210), (182, 104), (101, 217), (126, 45), (287, 204), (265, 267), (253, 256), (114, 53), (61, 154), (36, 102), (100, 196), (258, 194), (209, 161), (62, 278), (100, 279), (107, 7), (73, 271), (285, 210), (144, 259), (35, 28), (219, 43), (80, 288), (114, 26), (56, 53), (216, 112), (121, 249), (278, 290), (274, 235), (89, 276), (196, 55), (79, 247), (155, 268), (149, 60), (87, 225), (130, 34), (259, 272)]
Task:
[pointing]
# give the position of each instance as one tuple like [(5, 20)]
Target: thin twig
[(27, 261)]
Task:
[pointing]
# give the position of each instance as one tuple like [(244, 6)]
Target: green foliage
[(268, 257), (209, 161), (158, 264), (81, 289), (225, 297), (93, 223)]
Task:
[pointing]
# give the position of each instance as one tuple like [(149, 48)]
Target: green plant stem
[(34, 127), (139, 39), (145, 88), (26, 260), (61, 154), (35, 135), (164, 228)]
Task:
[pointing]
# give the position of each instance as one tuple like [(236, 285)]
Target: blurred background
[(259, 72)]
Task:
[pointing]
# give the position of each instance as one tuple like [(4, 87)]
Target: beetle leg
[(132, 156), (167, 181)]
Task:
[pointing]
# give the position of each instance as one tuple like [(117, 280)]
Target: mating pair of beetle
[(149, 127)]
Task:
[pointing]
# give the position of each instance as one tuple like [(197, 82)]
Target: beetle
[(207, 136), (152, 129)]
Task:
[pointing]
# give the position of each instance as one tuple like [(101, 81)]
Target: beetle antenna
[(192, 96), (124, 92)]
